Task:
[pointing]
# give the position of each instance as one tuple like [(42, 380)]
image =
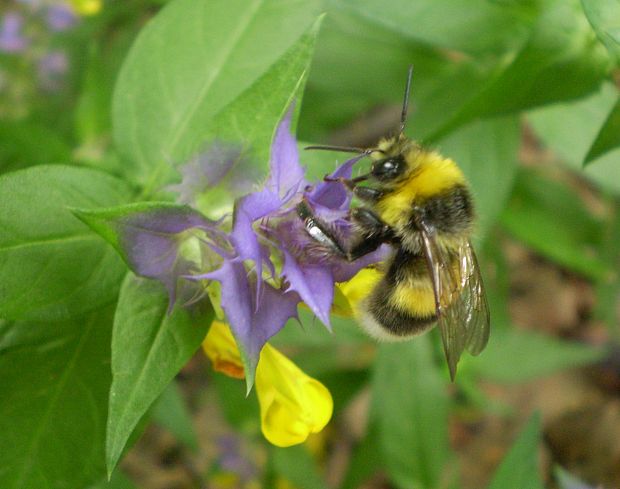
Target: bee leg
[(368, 194), (373, 232), (365, 194)]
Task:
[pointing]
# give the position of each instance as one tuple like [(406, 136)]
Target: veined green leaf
[(52, 266), (55, 380), (410, 407), (169, 92), (149, 347)]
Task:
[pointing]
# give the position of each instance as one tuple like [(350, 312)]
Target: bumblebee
[(419, 202)]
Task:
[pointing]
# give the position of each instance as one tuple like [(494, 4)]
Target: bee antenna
[(403, 114), (344, 149)]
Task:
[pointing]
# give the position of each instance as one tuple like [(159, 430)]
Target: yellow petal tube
[(292, 404), (220, 347), (358, 287)]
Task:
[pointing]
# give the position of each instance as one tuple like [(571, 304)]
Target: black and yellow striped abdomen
[(402, 302)]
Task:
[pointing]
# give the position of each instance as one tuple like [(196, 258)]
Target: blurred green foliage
[(150, 83)]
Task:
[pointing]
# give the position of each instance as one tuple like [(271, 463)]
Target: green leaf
[(520, 356), (117, 481), (55, 380), (490, 163), (360, 64), (561, 60), (570, 128), (558, 58), (251, 118), (149, 347), (608, 137), (296, 465), (604, 15), (472, 26), (410, 407), (365, 461), (171, 412), (52, 266), (550, 217), (519, 469), (168, 92), (24, 144)]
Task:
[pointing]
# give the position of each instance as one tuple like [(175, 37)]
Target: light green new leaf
[(608, 137), (189, 64), (604, 15), (55, 379), (410, 407), (519, 469), (149, 347), (52, 266), (570, 128)]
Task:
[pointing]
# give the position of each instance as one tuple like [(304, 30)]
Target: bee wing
[(462, 310)]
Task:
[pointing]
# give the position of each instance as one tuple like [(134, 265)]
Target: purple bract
[(265, 261)]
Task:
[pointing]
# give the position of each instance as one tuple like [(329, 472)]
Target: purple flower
[(265, 261), (60, 17), (12, 39), (52, 69), (233, 459)]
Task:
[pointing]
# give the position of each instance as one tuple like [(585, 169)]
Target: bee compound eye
[(388, 165), (387, 168)]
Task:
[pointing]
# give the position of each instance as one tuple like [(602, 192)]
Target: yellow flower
[(356, 289), (221, 348), (292, 404), (86, 7)]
